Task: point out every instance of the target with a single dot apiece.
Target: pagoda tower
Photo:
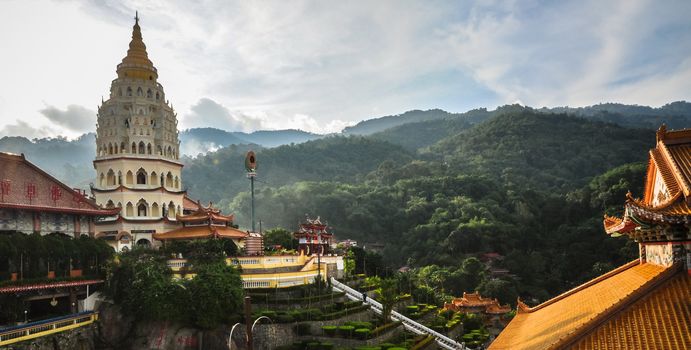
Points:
(137, 151)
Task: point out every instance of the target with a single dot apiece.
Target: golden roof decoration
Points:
(137, 63)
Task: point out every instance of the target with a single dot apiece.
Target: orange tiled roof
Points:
(204, 214)
(660, 320)
(665, 168)
(472, 300)
(201, 232)
(497, 309)
(681, 163)
(617, 225)
(556, 322)
(189, 204)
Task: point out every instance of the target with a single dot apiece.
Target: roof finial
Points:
(136, 17)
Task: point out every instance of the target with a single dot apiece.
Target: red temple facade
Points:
(313, 237)
(33, 201)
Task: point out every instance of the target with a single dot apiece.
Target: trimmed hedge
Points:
(329, 330)
(362, 333)
(360, 324)
(339, 314)
(346, 331)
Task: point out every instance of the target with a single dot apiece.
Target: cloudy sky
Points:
(322, 65)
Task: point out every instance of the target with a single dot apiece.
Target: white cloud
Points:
(318, 66)
(22, 128)
(74, 117)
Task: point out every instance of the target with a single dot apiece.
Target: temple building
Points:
(645, 304)
(313, 237)
(137, 152)
(33, 201)
(204, 223)
(475, 303)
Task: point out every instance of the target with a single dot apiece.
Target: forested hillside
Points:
(221, 175)
(530, 186)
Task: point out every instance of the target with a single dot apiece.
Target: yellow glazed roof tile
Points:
(556, 321)
(660, 320)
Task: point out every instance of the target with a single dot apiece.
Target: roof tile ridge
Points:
(675, 170)
(622, 304)
(585, 285)
(663, 167)
(663, 205)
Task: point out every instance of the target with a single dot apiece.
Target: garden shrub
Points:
(283, 318)
(346, 331)
(447, 314)
(362, 333)
(410, 309)
(329, 330)
(314, 314)
(387, 346)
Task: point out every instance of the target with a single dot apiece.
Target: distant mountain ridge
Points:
(201, 140)
(70, 160)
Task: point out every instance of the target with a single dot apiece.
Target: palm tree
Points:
(387, 296)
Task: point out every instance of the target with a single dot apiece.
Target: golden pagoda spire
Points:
(137, 64)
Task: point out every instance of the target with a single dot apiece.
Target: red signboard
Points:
(55, 193)
(30, 191)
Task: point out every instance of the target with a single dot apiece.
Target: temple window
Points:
(154, 210)
(177, 182)
(129, 210)
(139, 91)
(149, 94)
(141, 209)
(141, 177)
(169, 180)
(122, 148)
(134, 148)
(148, 147)
(129, 178)
(119, 178)
(110, 178)
(102, 180)
(171, 210)
(129, 91)
(110, 204)
(157, 96)
(141, 146)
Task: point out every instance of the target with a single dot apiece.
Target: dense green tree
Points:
(279, 236)
(387, 295)
(215, 294)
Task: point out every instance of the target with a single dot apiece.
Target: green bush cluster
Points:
(475, 337)
(35, 255)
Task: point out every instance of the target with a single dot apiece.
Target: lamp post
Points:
(25, 316)
(251, 167)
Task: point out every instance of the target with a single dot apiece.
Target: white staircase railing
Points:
(442, 340)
